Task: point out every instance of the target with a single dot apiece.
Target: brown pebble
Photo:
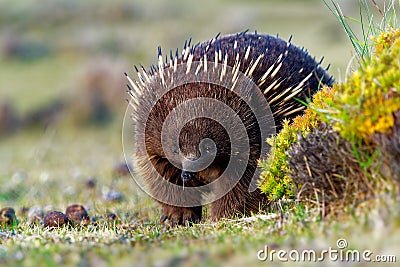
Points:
(7, 217)
(78, 214)
(91, 183)
(55, 219)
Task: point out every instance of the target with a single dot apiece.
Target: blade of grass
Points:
(368, 23)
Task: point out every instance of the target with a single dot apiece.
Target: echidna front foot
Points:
(180, 215)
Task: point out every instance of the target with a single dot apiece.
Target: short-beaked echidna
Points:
(198, 148)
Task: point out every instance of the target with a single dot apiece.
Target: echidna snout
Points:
(187, 175)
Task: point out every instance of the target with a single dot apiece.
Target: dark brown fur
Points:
(296, 65)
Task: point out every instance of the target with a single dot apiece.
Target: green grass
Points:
(226, 243)
(372, 20)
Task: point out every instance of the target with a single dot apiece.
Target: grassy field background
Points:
(55, 51)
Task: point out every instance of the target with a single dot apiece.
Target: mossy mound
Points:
(324, 168)
(275, 180)
(348, 140)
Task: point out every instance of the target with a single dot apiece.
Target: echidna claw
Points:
(163, 218)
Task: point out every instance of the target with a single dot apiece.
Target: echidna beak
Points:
(187, 176)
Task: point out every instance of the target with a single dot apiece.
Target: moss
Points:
(368, 99)
(275, 181)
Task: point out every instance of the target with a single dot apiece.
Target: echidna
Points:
(198, 128)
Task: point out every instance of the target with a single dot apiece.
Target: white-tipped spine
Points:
(134, 97)
(199, 67)
(237, 60)
(161, 66)
(279, 58)
(189, 63)
(134, 86)
(133, 105)
(224, 67)
(215, 59)
(175, 63)
(273, 74)
(266, 74)
(205, 62)
(186, 53)
(234, 84)
(289, 110)
(236, 72)
(246, 56)
(270, 87)
(254, 66)
(145, 74)
(303, 81)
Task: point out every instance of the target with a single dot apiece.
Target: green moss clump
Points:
(275, 181)
(367, 101)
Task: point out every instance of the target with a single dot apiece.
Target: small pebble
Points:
(111, 216)
(96, 219)
(55, 219)
(7, 217)
(35, 215)
(114, 196)
(91, 183)
(78, 214)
